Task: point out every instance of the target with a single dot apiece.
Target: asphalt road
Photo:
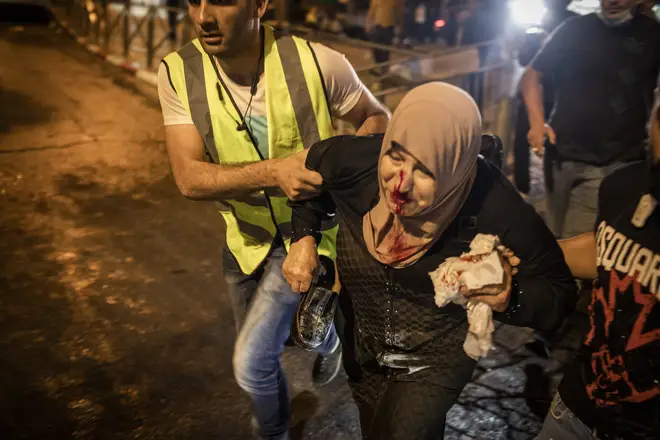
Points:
(114, 320)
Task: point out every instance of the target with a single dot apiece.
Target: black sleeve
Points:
(544, 292)
(309, 214)
(341, 161)
(344, 160)
(552, 53)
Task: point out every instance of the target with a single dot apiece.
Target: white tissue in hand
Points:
(487, 271)
(480, 332)
(484, 243)
(474, 270)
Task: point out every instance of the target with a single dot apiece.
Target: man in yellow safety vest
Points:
(240, 105)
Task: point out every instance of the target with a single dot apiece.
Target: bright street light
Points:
(527, 13)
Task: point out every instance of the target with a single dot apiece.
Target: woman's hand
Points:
(497, 297)
(301, 265)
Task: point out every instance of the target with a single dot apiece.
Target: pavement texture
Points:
(114, 319)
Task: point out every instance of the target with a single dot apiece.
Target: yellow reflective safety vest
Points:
(298, 116)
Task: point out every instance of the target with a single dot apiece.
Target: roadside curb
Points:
(131, 67)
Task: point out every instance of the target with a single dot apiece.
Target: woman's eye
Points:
(424, 173)
(396, 157)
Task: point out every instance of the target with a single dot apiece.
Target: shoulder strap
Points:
(325, 89)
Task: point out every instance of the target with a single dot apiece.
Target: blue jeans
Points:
(264, 305)
(562, 424)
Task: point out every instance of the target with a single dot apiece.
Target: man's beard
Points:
(618, 19)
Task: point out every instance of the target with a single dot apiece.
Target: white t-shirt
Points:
(341, 81)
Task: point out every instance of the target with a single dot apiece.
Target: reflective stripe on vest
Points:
(297, 115)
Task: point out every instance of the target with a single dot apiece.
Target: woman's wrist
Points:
(312, 236)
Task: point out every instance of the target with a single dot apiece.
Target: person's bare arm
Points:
(368, 116)
(580, 255)
(200, 180)
(532, 92)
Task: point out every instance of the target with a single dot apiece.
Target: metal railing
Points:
(128, 28)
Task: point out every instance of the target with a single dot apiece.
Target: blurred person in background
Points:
(384, 20)
(528, 46)
(174, 8)
(604, 67)
(422, 15)
(612, 388)
(480, 22)
(328, 10)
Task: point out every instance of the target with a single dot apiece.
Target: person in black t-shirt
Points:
(612, 389)
(530, 45)
(604, 67)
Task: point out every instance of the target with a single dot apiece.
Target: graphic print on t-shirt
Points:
(625, 321)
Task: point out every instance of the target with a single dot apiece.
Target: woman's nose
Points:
(405, 183)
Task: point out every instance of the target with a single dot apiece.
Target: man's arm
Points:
(552, 53)
(368, 116)
(200, 180)
(532, 92)
(580, 255)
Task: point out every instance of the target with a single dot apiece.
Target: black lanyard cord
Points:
(240, 126)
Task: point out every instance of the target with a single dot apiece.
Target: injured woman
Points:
(434, 244)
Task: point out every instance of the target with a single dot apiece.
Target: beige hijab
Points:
(440, 125)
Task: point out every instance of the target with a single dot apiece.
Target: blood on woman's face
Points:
(409, 186)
